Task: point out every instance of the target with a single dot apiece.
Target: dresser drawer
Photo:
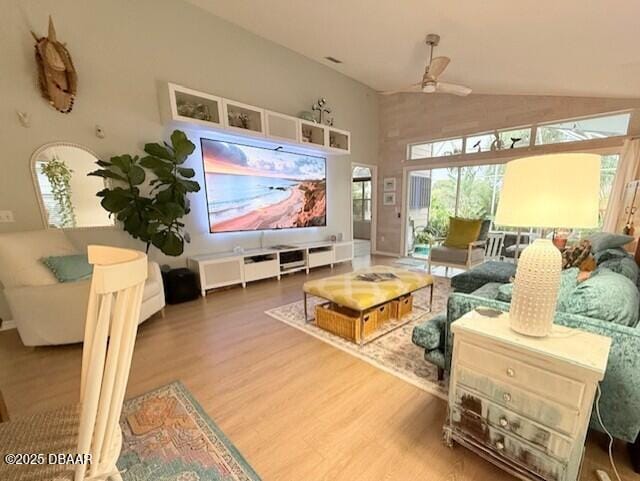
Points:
(505, 445)
(548, 384)
(546, 412)
(547, 440)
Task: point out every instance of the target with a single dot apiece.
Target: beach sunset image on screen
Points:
(253, 188)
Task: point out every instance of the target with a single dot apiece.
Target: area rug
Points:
(167, 436)
(393, 352)
(405, 262)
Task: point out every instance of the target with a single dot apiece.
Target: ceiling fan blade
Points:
(417, 87)
(437, 66)
(455, 89)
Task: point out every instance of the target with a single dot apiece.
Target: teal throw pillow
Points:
(69, 268)
(622, 265)
(609, 254)
(505, 292)
(606, 296)
(568, 282)
(601, 241)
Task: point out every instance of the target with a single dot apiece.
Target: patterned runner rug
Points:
(394, 352)
(167, 436)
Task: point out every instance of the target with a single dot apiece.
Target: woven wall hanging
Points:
(57, 76)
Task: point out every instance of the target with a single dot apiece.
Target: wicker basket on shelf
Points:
(345, 322)
(401, 306)
(384, 313)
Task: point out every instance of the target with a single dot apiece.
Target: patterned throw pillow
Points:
(579, 256)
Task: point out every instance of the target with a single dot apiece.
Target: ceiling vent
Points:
(333, 59)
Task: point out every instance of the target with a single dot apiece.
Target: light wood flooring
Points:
(297, 408)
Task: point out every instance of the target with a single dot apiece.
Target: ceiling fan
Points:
(430, 83)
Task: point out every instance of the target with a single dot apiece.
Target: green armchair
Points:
(460, 257)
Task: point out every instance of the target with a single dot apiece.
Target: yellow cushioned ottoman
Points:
(346, 290)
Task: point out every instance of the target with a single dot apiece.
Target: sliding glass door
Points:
(479, 191)
(472, 192)
(432, 199)
(435, 195)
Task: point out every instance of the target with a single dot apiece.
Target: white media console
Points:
(229, 268)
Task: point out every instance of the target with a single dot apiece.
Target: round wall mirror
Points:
(67, 195)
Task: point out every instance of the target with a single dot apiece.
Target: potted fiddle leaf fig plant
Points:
(154, 217)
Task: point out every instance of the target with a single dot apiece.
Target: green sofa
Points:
(620, 402)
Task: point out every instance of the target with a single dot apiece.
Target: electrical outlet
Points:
(6, 216)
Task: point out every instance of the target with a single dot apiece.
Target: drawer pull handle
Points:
(499, 445)
(507, 397)
(510, 372)
(503, 422)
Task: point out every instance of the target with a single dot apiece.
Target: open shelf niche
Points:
(280, 126)
(241, 117)
(311, 133)
(193, 106)
(339, 139)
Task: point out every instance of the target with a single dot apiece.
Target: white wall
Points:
(123, 52)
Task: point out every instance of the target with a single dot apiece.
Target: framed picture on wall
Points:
(389, 198)
(389, 184)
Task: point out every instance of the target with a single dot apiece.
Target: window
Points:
(572, 130)
(472, 192)
(479, 143)
(361, 194)
(480, 191)
(439, 148)
(515, 138)
(608, 168)
(419, 191)
(444, 199)
(583, 129)
(509, 139)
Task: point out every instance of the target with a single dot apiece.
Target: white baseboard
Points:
(6, 325)
(386, 254)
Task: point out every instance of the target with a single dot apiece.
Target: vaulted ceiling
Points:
(542, 47)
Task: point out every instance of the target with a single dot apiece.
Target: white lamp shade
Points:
(555, 190)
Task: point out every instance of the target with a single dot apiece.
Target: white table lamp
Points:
(550, 191)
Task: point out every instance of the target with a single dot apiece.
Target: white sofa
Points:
(47, 312)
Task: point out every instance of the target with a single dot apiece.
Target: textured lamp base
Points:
(535, 290)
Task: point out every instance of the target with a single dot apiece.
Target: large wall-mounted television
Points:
(253, 188)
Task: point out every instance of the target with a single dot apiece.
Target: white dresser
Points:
(521, 402)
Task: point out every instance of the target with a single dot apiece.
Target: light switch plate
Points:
(6, 216)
